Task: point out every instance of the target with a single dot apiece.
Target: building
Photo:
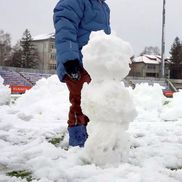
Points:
(45, 45)
(142, 66)
(146, 66)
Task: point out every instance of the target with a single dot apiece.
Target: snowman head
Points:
(107, 57)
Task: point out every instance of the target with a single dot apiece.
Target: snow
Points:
(155, 135)
(153, 96)
(42, 103)
(43, 37)
(109, 55)
(173, 110)
(147, 59)
(4, 93)
(111, 108)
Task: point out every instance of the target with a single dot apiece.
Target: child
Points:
(74, 20)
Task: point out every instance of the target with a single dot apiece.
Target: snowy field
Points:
(134, 135)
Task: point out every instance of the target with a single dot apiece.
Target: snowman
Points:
(106, 100)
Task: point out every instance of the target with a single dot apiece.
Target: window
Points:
(52, 66)
(52, 57)
(151, 66)
(51, 46)
(152, 75)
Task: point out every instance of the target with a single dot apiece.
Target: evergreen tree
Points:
(176, 51)
(29, 57)
(176, 59)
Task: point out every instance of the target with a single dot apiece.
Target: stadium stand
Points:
(34, 77)
(14, 78)
(19, 80)
(151, 81)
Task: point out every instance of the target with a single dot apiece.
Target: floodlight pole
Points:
(163, 40)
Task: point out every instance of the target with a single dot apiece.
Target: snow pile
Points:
(106, 101)
(5, 93)
(48, 99)
(148, 101)
(29, 129)
(173, 110)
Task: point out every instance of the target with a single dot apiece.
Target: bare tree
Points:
(5, 47)
(16, 56)
(150, 51)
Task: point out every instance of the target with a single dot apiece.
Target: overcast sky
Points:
(136, 21)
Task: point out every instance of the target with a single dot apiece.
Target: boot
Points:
(77, 135)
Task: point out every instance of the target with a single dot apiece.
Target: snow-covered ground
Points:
(33, 131)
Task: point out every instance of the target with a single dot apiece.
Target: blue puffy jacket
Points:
(74, 20)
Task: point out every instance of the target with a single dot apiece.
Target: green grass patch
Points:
(21, 174)
(56, 140)
(166, 102)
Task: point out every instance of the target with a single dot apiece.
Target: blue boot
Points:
(77, 135)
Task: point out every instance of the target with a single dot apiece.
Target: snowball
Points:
(107, 57)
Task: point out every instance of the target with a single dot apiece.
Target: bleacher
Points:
(149, 80)
(13, 78)
(19, 80)
(34, 77)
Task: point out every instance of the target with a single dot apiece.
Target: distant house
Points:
(146, 66)
(45, 45)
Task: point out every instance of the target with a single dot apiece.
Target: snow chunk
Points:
(173, 110)
(5, 93)
(148, 101)
(47, 99)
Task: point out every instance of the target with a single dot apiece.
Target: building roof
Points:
(147, 59)
(44, 37)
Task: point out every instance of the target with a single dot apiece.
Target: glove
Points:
(73, 69)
